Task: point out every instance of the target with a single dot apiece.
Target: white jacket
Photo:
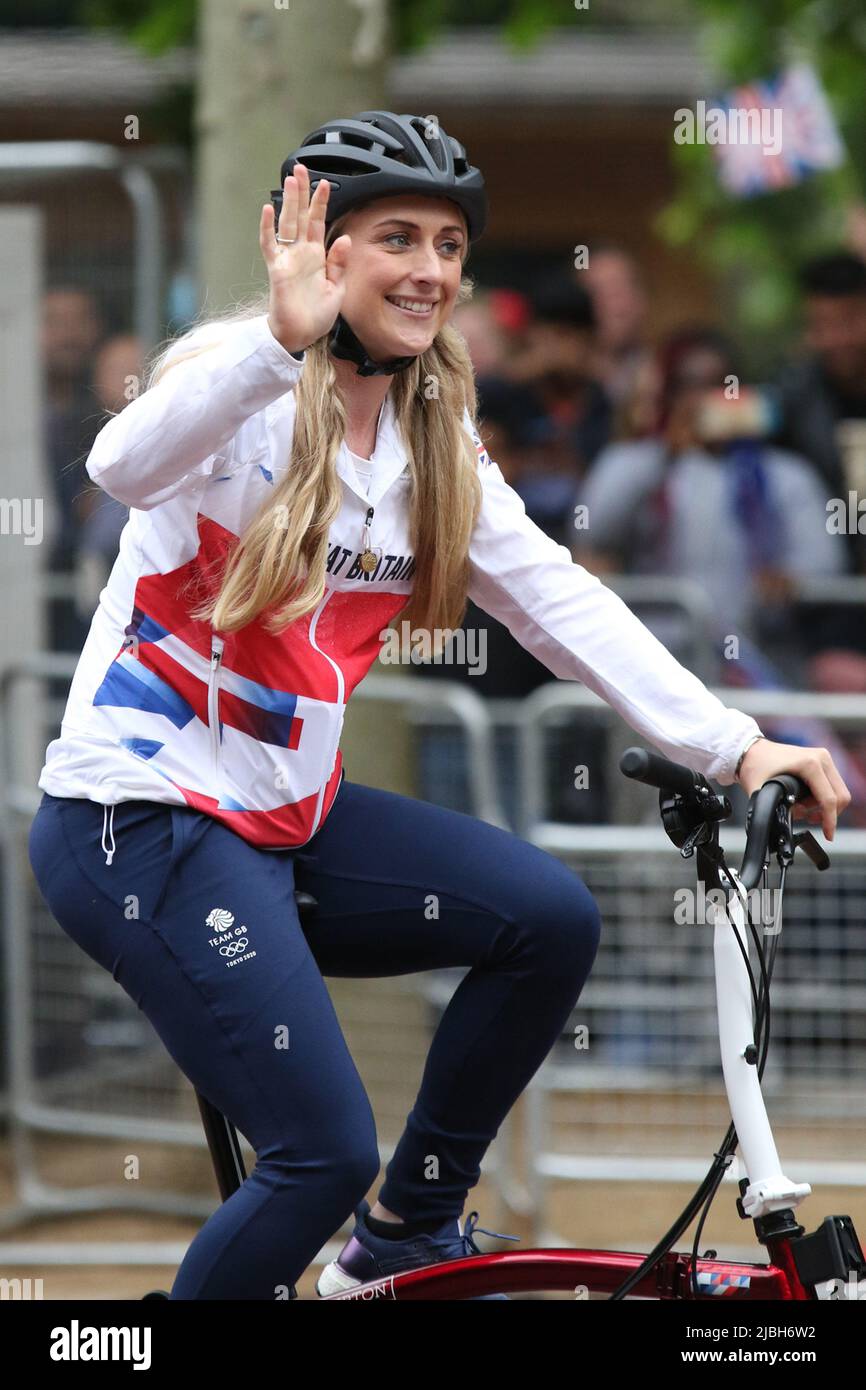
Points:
(246, 727)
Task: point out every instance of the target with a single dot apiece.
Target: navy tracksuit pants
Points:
(201, 930)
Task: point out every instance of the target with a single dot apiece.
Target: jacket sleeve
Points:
(172, 435)
(581, 630)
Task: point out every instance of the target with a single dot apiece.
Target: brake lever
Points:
(806, 841)
(782, 840)
(786, 841)
(699, 836)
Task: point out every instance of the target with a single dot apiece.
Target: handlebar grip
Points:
(792, 784)
(763, 807)
(656, 771)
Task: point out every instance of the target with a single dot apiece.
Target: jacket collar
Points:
(389, 457)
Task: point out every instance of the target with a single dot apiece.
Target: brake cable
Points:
(762, 1044)
(702, 1199)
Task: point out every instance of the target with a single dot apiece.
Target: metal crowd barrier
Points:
(30, 161)
(558, 701)
(688, 601)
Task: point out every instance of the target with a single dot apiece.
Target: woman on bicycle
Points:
(298, 474)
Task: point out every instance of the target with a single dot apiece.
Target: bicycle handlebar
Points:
(657, 771)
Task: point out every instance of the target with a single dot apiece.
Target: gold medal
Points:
(369, 558)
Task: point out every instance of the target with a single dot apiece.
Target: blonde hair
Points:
(278, 566)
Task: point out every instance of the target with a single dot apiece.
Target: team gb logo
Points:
(219, 919)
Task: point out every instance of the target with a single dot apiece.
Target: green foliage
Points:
(523, 23)
(157, 25)
(160, 24)
(756, 244)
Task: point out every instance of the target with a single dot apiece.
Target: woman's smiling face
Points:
(404, 272)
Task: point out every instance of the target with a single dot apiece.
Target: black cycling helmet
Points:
(378, 154)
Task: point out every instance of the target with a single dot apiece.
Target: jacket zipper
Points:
(216, 656)
(341, 687)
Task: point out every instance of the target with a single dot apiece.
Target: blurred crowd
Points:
(657, 459)
(663, 460)
(88, 369)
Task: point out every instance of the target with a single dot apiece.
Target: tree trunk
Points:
(269, 74)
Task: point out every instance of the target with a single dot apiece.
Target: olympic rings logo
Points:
(234, 947)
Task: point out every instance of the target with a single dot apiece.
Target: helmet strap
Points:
(344, 343)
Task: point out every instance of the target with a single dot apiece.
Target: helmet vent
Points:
(375, 154)
(349, 137)
(434, 145)
(337, 164)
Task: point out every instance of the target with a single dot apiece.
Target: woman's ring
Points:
(287, 241)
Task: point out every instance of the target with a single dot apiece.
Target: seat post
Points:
(225, 1149)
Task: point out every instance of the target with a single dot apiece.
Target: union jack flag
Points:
(713, 1283)
(809, 135)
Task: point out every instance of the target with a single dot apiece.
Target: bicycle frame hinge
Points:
(769, 1195)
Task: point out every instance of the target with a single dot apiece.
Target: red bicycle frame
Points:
(591, 1271)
